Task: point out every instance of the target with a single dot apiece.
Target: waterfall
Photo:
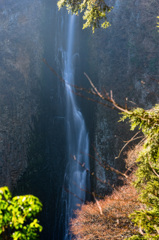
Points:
(75, 179)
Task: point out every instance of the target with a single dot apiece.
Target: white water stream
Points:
(75, 181)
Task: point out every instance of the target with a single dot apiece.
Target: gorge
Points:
(35, 117)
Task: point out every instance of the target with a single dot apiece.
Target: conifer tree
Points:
(147, 174)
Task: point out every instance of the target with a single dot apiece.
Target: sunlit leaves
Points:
(17, 216)
(94, 11)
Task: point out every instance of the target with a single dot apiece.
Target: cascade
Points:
(75, 179)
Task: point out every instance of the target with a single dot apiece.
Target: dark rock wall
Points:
(126, 59)
(20, 72)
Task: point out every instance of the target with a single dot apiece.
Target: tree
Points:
(17, 216)
(94, 11)
(147, 173)
(145, 218)
(147, 181)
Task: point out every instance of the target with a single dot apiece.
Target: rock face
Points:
(20, 73)
(126, 59)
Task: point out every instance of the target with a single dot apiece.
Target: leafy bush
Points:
(17, 216)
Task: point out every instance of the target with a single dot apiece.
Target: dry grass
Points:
(131, 157)
(113, 223)
(109, 218)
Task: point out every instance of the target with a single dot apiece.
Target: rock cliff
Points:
(126, 59)
(20, 73)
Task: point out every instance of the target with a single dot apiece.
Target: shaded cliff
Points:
(125, 59)
(20, 74)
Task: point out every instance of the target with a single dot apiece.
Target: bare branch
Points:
(98, 93)
(132, 139)
(98, 205)
(83, 190)
(95, 93)
(91, 173)
(75, 195)
(94, 100)
(108, 167)
(107, 98)
(154, 170)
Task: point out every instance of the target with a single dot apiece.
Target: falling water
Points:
(75, 179)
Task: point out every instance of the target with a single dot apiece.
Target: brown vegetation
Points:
(109, 218)
(131, 157)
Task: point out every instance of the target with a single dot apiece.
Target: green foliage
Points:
(94, 11)
(17, 216)
(147, 181)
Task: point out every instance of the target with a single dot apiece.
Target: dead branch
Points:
(86, 191)
(92, 173)
(154, 170)
(132, 139)
(129, 168)
(95, 93)
(94, 100)
(98, 205)
(108, 167)
(83, 190)
(107, 98)
(75, 195)
(98, 93)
